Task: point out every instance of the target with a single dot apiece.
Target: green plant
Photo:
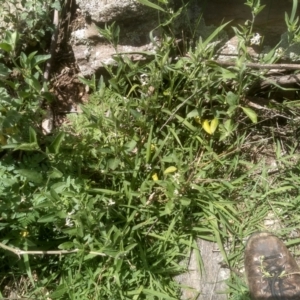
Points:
(159, 157)
(32, 19)
(292, 24)
(27, 93)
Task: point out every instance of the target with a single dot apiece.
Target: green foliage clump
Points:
(116, 198)
(31, 18)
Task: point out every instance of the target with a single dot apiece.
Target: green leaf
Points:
(185, 201)
(250, 113)
(175, 136)
(26, 147)
(214, 34)
(150, 4)
(193, 113)
(55, 173)
(55, 145)
(59, 292)
(6, 47)
(171, 169)
(4, 71)
(31, 175)
(56, 5)
(32, 135)
(129, 146)
(232, 99)
(12, 38)
(159, 295)
(102, 191)
(66, 246)
(34, 83)
(113, 163)
(54, 195)
(294, 10)
(27, 267)
(149, 143)
(185, 122)
(38, 59)
(49, 218)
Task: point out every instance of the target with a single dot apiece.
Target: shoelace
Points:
(277, 280)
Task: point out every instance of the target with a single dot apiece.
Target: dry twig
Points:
(19, 252)
(261, 66)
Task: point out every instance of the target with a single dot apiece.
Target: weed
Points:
(158, 158)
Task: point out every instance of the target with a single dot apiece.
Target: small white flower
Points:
(279, 52)
(111, 202)
(69, 223)
(256, 39)
(176, 177)
(144, 79)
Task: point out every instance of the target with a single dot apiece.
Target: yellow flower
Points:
(24, 233)
(155, 177)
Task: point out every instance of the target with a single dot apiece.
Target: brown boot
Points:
(271, 271)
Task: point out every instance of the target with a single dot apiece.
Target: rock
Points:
(135, 21)
(111, 10)
(211, 283)
(269, 23)
(91, 57)
(91, 50)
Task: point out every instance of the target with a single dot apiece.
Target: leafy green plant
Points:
(27, 89)
(292, 24)
(109, 205)
(32, 19)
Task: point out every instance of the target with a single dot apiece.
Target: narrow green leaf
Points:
(4, 71)
(184, 201)
(149, 142)
(150, 4)
(31, 175)
(232, 99)
(130, 247)
(55, 145)
(102, 191)
(32, 135)
(38, 59)
(66, 246)
(186, 123)
(6, 47)
(132, 89)
(54, 195)
(27, 267)
(250, 113)
(214, 34)
(26, 147)
(171, 169)
(55, 173)
(175, 136)
(160, 295)
(34, 83)
(158, 151)
(49, 218)
(59, 292)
